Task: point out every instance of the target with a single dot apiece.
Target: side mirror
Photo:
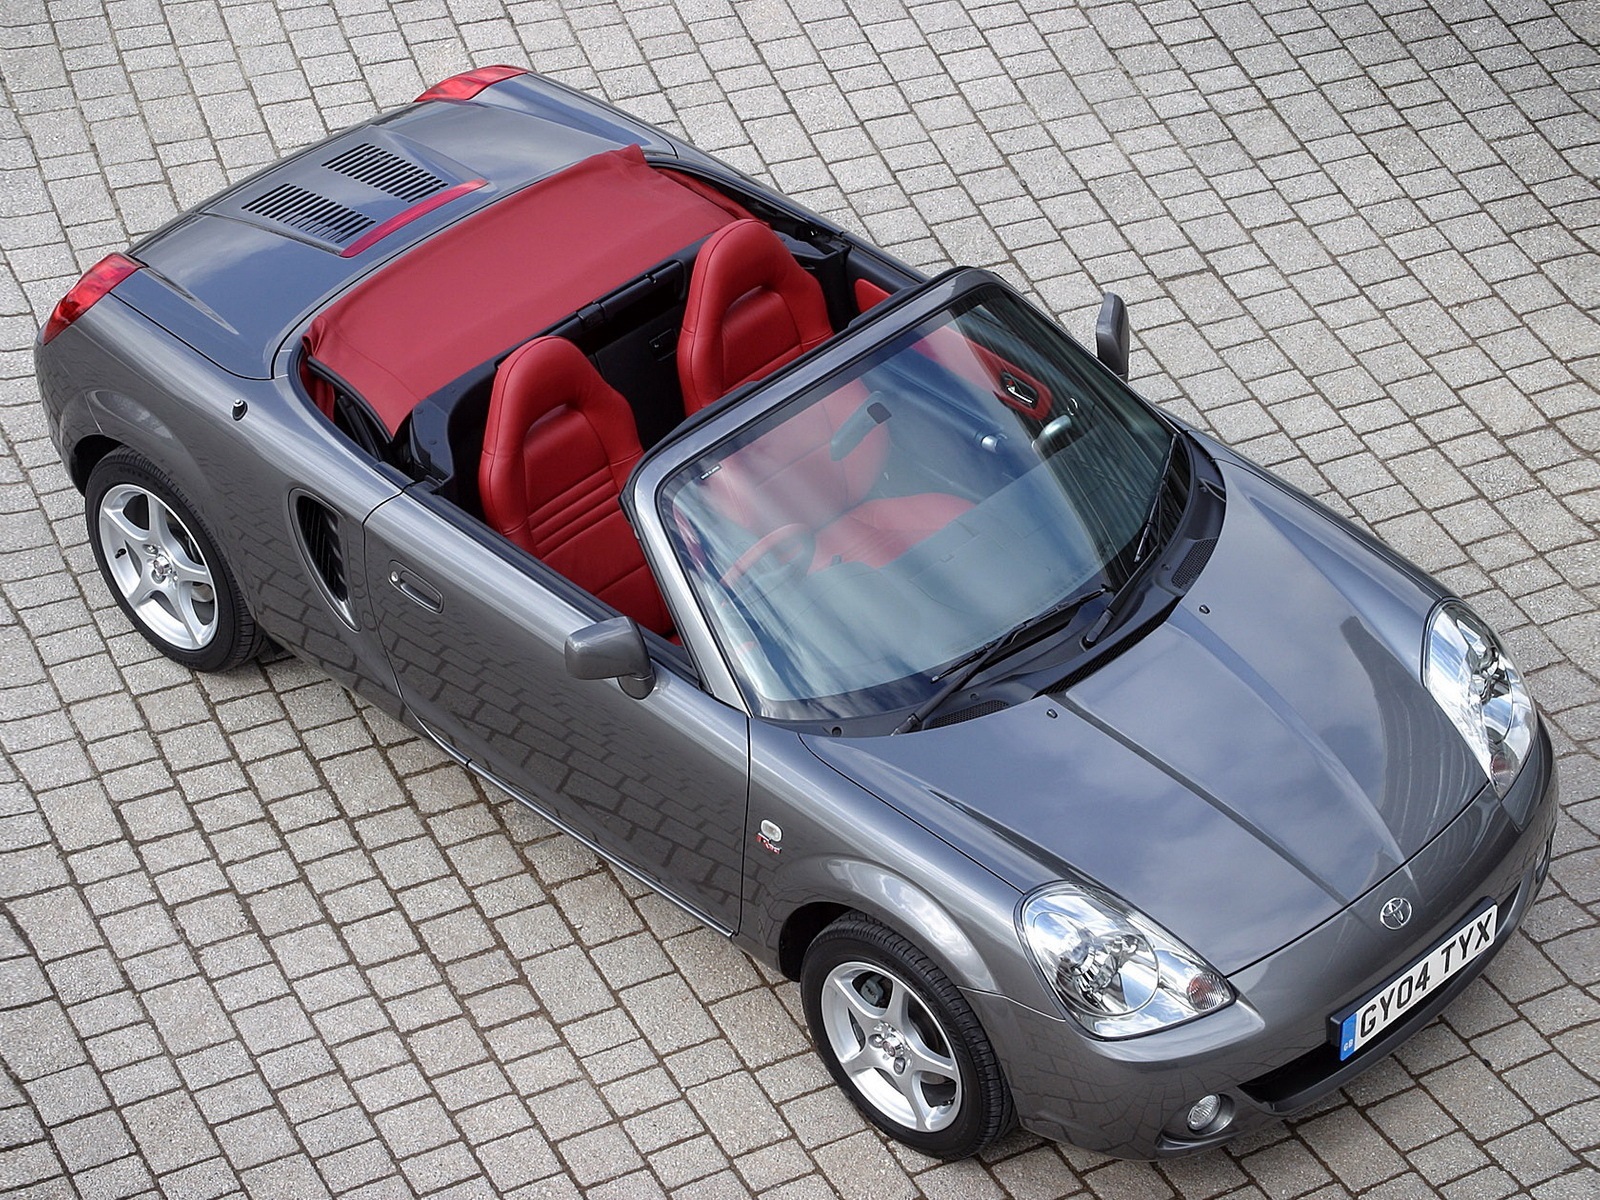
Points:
(612, 649)
(1111, 335)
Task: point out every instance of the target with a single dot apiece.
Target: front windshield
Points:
(966, 475)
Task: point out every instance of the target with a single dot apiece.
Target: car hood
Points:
(1245, 770)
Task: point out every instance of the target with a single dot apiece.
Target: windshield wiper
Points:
(960, 673)
(1125, 594)
(1147, 530)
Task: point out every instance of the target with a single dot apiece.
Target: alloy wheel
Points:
(891, 1046)
(157, 566)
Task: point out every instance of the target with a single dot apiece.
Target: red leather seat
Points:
(558, 447)
(751, 308)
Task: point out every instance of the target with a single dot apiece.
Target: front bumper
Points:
(1270, 1053)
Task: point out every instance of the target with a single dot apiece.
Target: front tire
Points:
(902, 1041)
(163, 566)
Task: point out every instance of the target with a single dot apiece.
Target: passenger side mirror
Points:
(1111, 335)
(612, 649)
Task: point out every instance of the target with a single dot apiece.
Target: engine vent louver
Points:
(309, 213)
(1193, 563)
(319, 533)
(378, 168)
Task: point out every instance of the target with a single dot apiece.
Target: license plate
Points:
(1408, 989)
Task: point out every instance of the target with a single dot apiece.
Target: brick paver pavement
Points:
(256, 939)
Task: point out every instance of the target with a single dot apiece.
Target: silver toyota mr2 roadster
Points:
(1080, 772)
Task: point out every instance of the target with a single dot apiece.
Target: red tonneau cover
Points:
(496, 279)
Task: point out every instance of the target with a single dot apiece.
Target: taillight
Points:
(469, 83)
(96, 282)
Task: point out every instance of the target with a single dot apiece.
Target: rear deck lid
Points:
(234, 277)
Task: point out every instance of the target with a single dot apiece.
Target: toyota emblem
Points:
(1395, 913)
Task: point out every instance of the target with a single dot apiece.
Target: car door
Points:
(476, 630)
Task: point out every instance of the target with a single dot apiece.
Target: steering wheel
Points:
(790, 547)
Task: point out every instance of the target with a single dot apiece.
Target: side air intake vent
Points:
(1193, 563)
(378, 168)
(968, 714)
(310, 213)
(319, 534)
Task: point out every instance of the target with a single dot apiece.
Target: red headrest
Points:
(538, 379)
(557, 451)
(751, 309)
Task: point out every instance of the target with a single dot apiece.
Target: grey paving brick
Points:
(292, 1176)
(187, 1014)
(231, 1098)
(598, 1155)
(23, 1165)
(1470, 1091)
(855, 1168)
(759, 1026)
(347, 1169)
(427, 1006)
(568, 1109)
(737, 1114)
(170, 1132)
(1531, 1154)
(41, 1040)
(67, 1095)
(517, 1159)
(1451, 1157)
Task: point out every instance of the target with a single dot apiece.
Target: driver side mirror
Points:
(1111, 335)
(612, 649)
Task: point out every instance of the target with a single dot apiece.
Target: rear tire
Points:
(902, 1041)
(163, 566)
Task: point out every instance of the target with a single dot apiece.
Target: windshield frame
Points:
(703, 433)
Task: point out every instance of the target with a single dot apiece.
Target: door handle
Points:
(414, 588)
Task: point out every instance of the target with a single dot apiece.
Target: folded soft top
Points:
(482, 286)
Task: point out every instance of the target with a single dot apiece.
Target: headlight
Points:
(1480, 690)
(1117, 972)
